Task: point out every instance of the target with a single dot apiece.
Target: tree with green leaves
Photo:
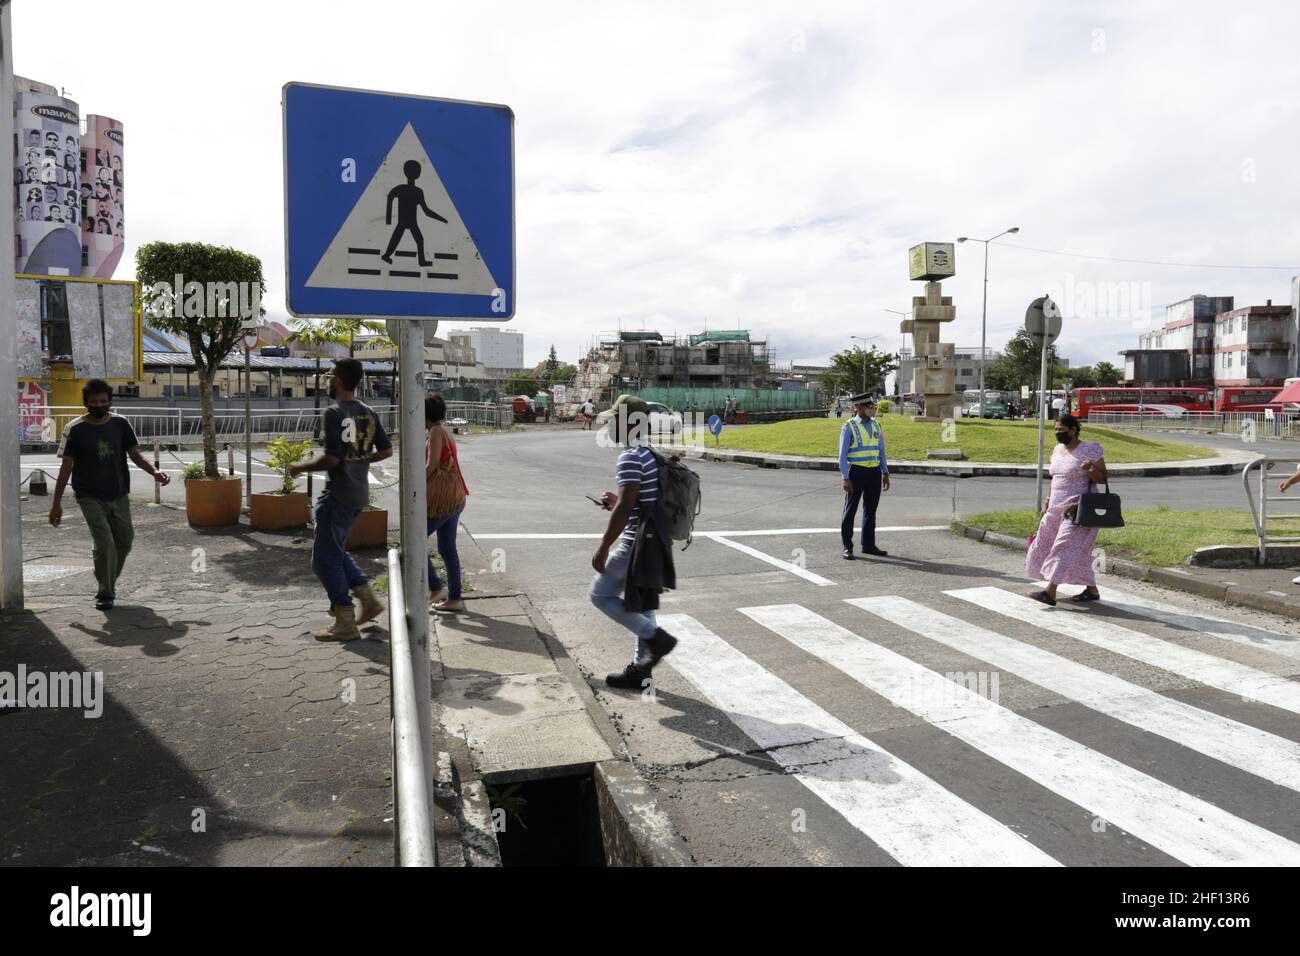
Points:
(549, 367)
(1106, 374)
(521, 383)
(1019, 365)
(203, 311)
(856, 369)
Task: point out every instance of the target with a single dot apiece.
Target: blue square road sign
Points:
(397, 206)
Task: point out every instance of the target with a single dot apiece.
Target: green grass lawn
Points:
(905, 439)
(1160, 536)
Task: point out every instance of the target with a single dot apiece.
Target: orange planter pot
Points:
(273, 512)
(370, 531)
(213, 503)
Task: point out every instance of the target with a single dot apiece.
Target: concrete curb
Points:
(636, 832)
(1169, 577)
(1221, 465)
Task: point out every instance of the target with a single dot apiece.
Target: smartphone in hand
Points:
(597, 501)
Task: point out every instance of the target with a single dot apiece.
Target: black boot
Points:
(632, 677)
(661, 645)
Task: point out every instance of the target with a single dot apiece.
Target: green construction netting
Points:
(682, 399)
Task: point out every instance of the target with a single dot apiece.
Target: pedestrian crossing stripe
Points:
(1184, 826)
(1248, 748)
(913, 816)
(377, 227)
(908, 815)
(1247, 682)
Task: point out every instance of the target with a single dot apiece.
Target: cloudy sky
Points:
(767, 165)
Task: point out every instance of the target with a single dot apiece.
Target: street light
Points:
(984, 314)
(864, 358)
(898, 376)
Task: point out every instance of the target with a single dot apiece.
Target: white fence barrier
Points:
(1245, 424)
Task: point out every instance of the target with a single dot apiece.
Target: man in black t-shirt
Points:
(94, 450)
(354, 438)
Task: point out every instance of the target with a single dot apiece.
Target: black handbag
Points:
(1097, 509)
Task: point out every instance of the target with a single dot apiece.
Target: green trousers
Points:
(112, 534)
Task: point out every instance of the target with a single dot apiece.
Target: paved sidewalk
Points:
(229, 736)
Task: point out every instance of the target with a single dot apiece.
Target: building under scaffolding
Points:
(623, 361)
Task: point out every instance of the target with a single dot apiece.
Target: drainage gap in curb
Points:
(551, 822)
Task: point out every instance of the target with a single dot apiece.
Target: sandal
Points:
(1044, 597)
(1084, 596)
(450, 607)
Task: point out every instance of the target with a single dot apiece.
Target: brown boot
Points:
(344, 627)
(371, 606)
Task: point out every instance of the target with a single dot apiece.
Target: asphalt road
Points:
(950, 720)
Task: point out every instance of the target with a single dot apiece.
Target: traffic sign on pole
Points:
(1043, 323)
(397, 206)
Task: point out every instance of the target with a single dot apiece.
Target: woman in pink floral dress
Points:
(1062, 551)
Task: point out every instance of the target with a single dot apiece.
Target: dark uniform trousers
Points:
(866, 488)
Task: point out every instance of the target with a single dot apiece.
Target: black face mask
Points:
(1063, 437)
(98, 411)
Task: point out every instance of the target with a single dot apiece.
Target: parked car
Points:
(663, 420)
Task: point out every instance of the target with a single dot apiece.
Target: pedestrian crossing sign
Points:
(397, 206)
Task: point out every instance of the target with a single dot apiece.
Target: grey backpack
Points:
(679, 496)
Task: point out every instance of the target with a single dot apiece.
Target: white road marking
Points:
(1183, 826)
(1256, 751)
(1248, 682)
(775, 562)
(556, 536)
(912, 818)
(1287, 645)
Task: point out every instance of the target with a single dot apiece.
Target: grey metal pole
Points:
(248, 429)
(157, 455)
(1042, 424)
(11, 540)
(414, 533)
(984, 315)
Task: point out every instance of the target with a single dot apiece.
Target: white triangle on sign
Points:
(380, 224)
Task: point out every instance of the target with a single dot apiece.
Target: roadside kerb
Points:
(1286, 606)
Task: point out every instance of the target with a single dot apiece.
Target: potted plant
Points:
(203, 294)
(211, 502)
(371, 529)
(285, 507)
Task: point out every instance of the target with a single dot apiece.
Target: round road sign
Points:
(1043, 320)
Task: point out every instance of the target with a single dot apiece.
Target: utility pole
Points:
(11, 541)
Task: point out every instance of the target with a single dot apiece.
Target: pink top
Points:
(1068, 478)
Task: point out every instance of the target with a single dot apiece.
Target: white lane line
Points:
(1183, 826)
(511, 536)
(1247, 635)
(1249, 682)
(912, 818)
(1239, 745)
(775, 562)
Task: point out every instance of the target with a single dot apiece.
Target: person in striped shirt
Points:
(637, 474)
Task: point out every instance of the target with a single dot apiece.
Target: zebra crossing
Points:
(918, 820)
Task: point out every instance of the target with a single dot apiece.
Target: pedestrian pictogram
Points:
(398, 206)
(382, 244)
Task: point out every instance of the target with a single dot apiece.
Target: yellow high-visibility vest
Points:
(867, 442)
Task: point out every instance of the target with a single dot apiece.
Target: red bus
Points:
(1165, 402)
(1243, 398)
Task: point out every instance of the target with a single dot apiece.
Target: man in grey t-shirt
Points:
(354, 439)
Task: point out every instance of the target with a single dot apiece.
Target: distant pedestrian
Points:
(94, 450)
(446, 492)
(354, 439)
(635, 505)
(588, 414)
(729, 410)
(1058, 406)
(865, 473)
(1061, 551)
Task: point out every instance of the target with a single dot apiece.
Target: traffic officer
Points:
(865, 472)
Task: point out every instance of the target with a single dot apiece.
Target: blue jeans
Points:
(607, 595)
(329, 558)
(446, 528)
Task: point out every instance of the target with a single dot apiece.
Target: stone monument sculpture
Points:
(935, 377)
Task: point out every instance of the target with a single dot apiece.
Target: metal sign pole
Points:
(248, 428)
(414, 533)
(1042, 423)
(11, 542)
